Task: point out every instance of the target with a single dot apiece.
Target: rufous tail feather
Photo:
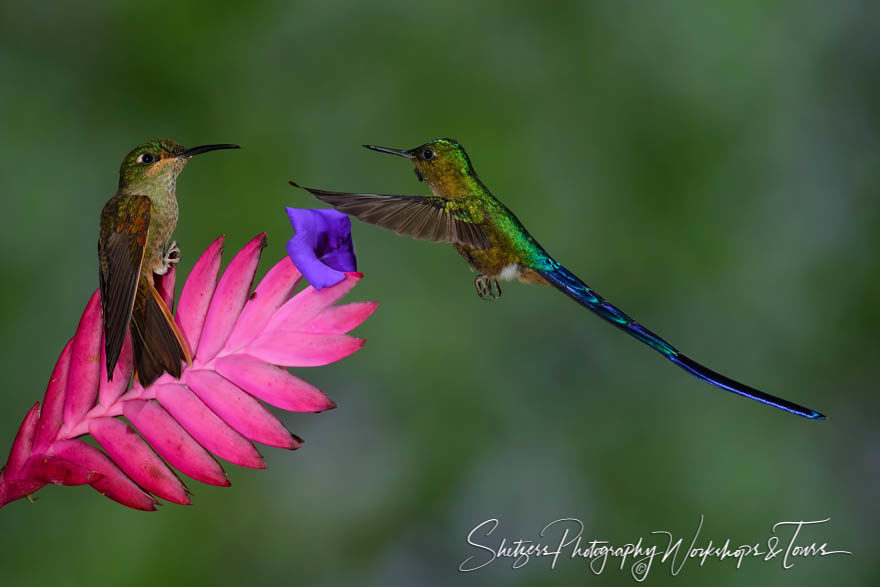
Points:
(157, 342)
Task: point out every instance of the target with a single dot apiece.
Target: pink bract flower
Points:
(238, 339)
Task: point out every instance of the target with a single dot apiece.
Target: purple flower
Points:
(321, 247)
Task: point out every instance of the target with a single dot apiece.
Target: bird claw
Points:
(487, 287)
(171, 257)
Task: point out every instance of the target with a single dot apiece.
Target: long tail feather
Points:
(157, 343)
(565, 281)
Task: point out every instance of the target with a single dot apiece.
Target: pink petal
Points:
(24, 441)
(14, 488)
(196, 295)
(241, 411)
(52, 469)
(302, 349)
(273, 385)
(304, 306)
(165, 286)
(220, 413)
(206, 427)
(114, 484)
(171, 441)
(232, 292)
(341, 319)
(109, 391)
(52, 414)
(274, 289)
(85, 361)
(137, 459)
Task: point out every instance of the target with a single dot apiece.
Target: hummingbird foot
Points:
(487, 287)
(171, 257)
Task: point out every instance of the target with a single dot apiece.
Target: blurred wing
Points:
(427, 218)
(125, 225)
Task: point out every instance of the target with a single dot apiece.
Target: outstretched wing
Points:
(428, 218)
(125, 226)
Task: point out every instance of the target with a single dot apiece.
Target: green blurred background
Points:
(713, 172)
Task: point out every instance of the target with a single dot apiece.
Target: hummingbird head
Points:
(443, 164)
(159, 162)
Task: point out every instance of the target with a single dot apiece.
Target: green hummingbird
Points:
(462, 211)
(133, 246)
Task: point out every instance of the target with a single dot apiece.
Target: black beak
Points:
(398, 152)
(204, 149)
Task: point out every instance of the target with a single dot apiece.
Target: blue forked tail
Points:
(568, 283)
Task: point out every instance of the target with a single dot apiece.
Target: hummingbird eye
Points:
(427, 154)
(146, 158)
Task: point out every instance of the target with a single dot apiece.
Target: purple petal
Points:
(196, 295)
(273, 385)
(229, 299)
(321, 247)
(137, 459)
(173, 443)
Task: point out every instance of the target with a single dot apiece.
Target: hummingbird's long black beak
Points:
(398, 152)
(204, 149)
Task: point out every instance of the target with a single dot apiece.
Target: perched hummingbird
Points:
(136, 225)
(463, 211)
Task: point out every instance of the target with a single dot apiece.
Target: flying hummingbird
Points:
(462, 211)
(136, 225)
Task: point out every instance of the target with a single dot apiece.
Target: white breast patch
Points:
(509, 272)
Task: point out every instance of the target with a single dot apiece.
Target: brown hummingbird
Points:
(133, 246)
